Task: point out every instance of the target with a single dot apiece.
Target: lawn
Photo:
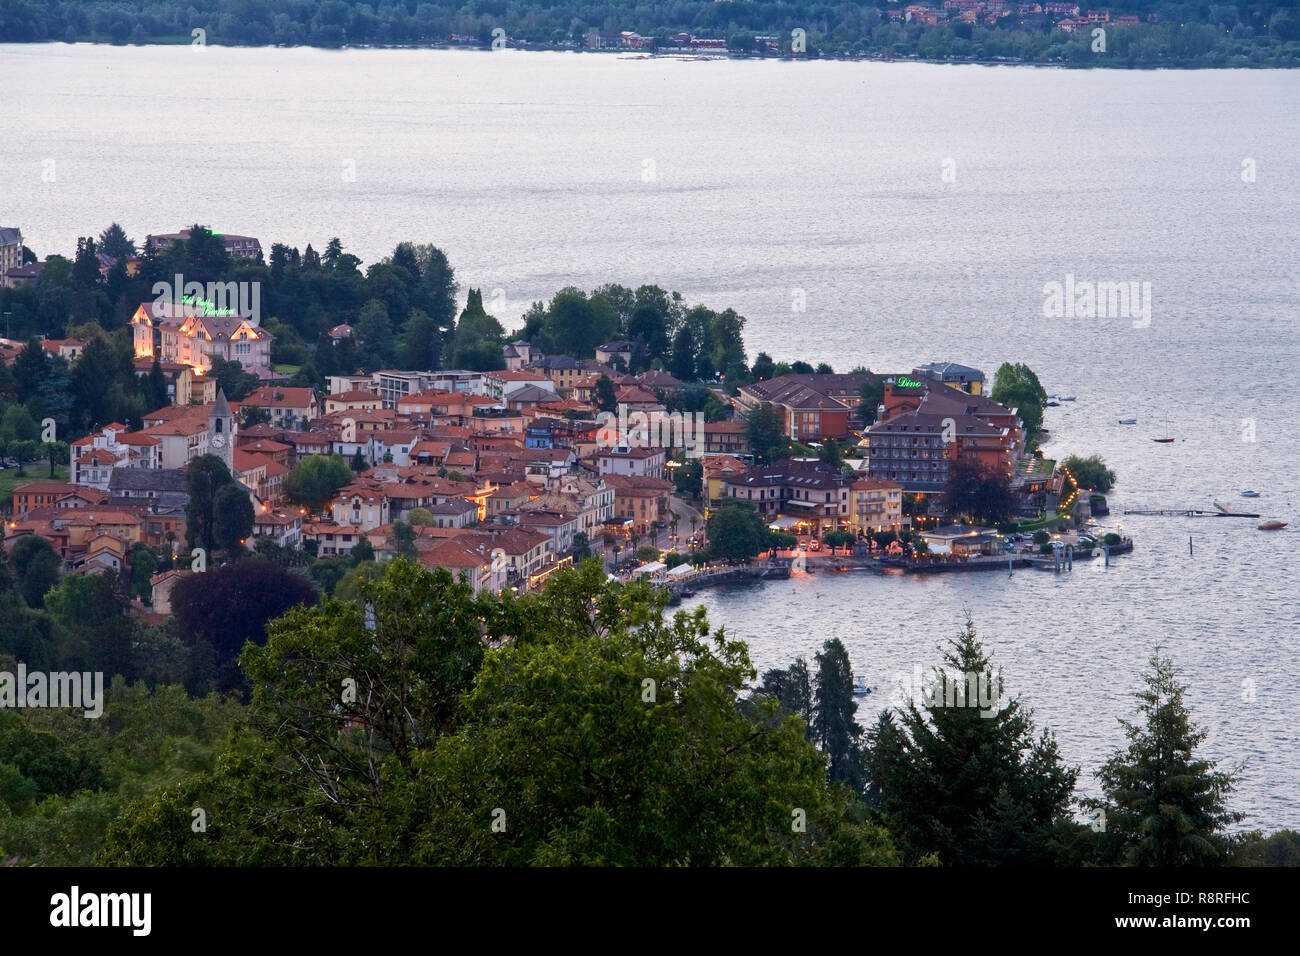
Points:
(287, 369)
(36, 471)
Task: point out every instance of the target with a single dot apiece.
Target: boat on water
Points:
(1067, 398)
(1128, 421)
(1053, 404)
(1166, 439)
(860, 688)
(1272, 525)
(1250, 494)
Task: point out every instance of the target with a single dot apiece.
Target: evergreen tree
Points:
(604, 395)
(833, 726)
(682, 363)
(113, 242)
(402, 539)
(1164, 805)
(960, 775)
(765, 428)
(204, 478)
(156, 389)
(232, 518)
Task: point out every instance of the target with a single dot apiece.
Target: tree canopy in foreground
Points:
(428, 725)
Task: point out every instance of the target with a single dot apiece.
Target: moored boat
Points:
(1128, 421)
(1165, 440)
(1250, 494)
(1272, 525)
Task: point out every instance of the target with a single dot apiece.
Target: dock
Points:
(1224, 511)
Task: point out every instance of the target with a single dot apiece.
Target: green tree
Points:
(156, 387)
(1016, 386)
(1163, 805)
(833, 726)
(35, 565)
(682, 364)
(792, 689)
(581, 547)
(958, 774)
(871, 395)
(232, 517)
(479, 338)
(144, 564)
(316, 479)
(575, 324)
(362, 551)
(982, 494)
(766, 431)
(420, 518)
(17, 424)
(1090, 472)
(232, 379)
(689, 478)
(764, 368)
(252, 415)
(402, 539)
(113, 242)
(736, 531)
(204, 478)
(604, 394)
(374, 328)
(93, 625)
(420, 346)
(56, 452)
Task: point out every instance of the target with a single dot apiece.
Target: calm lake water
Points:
(747, 184)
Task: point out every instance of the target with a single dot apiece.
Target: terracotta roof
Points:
(354, 395)
(279, 397)
(645, 484)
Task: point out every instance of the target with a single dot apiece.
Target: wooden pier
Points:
(1192, 513)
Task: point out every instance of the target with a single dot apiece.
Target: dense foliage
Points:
(409, 720)
(591, 730)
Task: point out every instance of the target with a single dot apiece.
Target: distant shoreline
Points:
(631, 54)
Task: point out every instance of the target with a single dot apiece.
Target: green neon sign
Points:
(908, 383)
(206, 307)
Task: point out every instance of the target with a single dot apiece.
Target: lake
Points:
(919, 210)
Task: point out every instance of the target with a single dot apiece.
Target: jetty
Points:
(1223, 511)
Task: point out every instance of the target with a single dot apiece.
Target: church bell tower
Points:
(221, 431)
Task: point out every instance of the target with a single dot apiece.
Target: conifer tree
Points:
(959, 774)
(1164, 805)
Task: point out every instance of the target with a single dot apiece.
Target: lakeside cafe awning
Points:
(680, 571)
(784, 524)
(653, 567)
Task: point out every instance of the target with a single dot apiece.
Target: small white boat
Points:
(1250, 494)
(1067, 398)
(1128, 421)
(1272, 526)
(860, 688)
